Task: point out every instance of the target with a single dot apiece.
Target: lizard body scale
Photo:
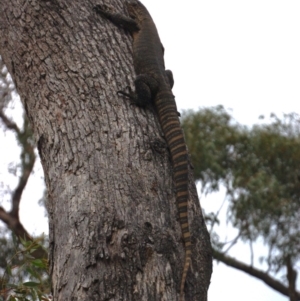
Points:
(153, 84)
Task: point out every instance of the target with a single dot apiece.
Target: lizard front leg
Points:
(170, 77)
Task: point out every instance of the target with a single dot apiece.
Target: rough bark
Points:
(114, 230)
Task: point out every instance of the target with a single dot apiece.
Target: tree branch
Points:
(26, 172)
(270, 281)
(27, 163)
(14, 224)
(9, 123)
(11, 219)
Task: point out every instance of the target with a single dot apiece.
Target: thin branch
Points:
(27, 162)
(216, 215)
(16, 197)
(270, 281)
(269, 257)
(233, 242)
(9, 123)
(251, 252)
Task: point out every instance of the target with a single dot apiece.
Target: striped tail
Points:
(169, 121)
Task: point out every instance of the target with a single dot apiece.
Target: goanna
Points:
(153, 84)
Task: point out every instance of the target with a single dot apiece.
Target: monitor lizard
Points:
(153, 84)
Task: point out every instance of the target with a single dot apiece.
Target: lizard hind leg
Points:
(145, 90)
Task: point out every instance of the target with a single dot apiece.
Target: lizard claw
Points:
(129, 94)
(123, 93)
(102, 10)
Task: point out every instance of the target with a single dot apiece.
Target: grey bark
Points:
(114, 229)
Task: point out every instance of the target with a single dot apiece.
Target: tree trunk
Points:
(114, 228)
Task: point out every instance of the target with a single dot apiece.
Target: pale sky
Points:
(244, 55)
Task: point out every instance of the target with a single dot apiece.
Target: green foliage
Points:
(25, 277)
(259, 168)
(210, 138)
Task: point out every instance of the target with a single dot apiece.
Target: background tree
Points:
(22, 257)
(113, 220)
(24, 137)
(259, 168)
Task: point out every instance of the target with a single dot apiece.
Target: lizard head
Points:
(137, 10)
